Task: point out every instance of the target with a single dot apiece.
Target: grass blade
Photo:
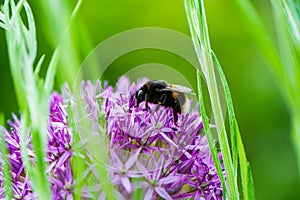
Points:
(208, 134)
(235, 133)
(6, 169)
(251, 191)
(49, 80)
(262, 36)
(5, 163)
(59, 21)
(199, 31)
(292, 16)
(39, 65)
(2, 21)
(285, 48)
(289, 47)
(22, 47)
(282, 57)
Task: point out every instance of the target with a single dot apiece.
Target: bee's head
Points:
(140, 96)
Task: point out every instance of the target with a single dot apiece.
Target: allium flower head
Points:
(58, 155)
(148, 151)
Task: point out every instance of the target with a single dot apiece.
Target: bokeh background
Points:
(262, 115)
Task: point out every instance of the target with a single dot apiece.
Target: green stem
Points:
(220, 124)
(42, 184)
(237, 146)
(211, 143)
(295, 135)
(7, 180)
(199, 31)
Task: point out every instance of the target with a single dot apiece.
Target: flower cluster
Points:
(147, 151)
(58, 155)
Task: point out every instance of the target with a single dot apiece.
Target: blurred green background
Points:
(263, 118)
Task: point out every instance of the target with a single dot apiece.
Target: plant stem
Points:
(295, 135)
(199, 31)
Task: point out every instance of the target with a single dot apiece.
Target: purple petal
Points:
(149, 194)
(132, 159)
(63, 159)
(169, 179)
(143, 170)
(157, 173)
(116, 159)
(168, 139)
(123, 85)
(163, 193)
(126, 183)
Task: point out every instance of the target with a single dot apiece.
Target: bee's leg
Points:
(163, 99)
(146, 103)
(175, 117)
(176, 109)
(146, 106)
(156, 108)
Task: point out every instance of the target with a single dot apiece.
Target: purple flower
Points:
(148, 151)
(58, 155)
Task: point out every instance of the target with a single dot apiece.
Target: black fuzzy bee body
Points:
(162, 93)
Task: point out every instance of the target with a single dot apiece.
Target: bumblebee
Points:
(164, 94)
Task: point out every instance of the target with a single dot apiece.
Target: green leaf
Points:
(292, 17)
(209, 136)
(2, 119)
(247, 181)
(283, 56)
(261, 35)
(251, 190)
(22, 48)
(31, 37)
(2, 20)
(199, 32)
(7, 181)
(39, 65)
(49, 81)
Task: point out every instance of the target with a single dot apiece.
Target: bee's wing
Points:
(177, 88)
